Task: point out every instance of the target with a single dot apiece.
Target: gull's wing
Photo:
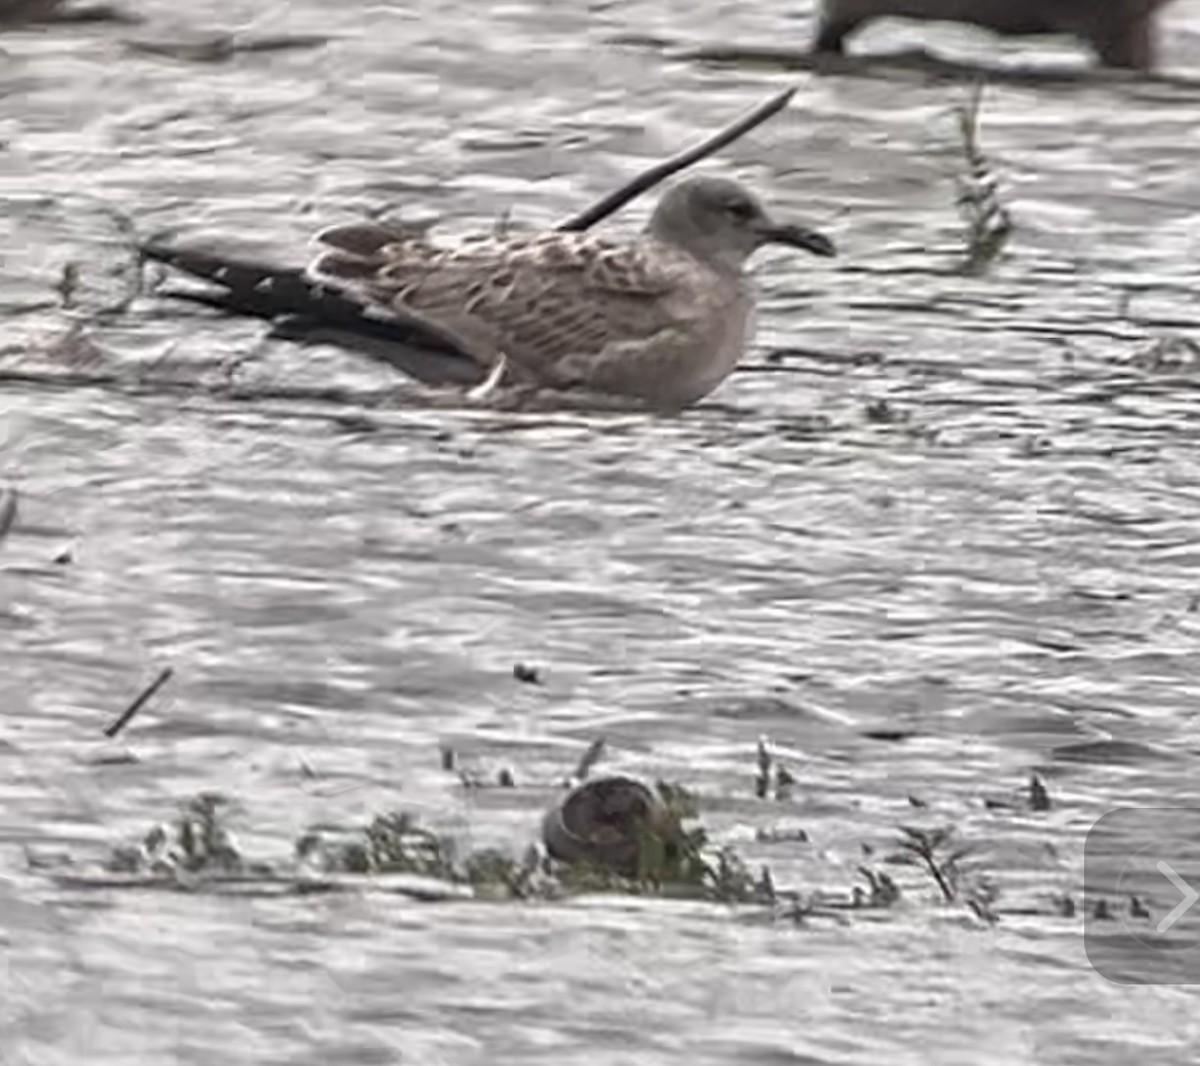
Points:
(305, 311)
(549, 301)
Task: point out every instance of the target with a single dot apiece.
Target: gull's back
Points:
(640, 318)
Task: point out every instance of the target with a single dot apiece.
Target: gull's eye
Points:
(740, 210)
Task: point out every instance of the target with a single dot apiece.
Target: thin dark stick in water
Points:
(617, 199)
(589, 759)
(141, 701)
(8, 510)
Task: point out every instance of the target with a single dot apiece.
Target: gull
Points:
(661, 319)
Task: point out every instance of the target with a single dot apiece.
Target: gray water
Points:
(1003, 572)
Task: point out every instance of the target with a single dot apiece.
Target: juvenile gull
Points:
(663, 318)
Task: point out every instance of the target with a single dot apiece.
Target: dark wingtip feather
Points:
(254, 287)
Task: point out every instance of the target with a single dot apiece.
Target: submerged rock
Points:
(606, 823)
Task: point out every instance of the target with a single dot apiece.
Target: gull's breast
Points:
(720, 344)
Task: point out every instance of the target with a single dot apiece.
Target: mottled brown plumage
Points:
(663, 318)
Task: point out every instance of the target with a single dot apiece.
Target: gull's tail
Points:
(304, 310)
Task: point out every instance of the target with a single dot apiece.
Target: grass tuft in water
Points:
(771, 772)
(672, 856)
(881, 891)
(941, 854)
(672, 860)
(989, 224)
(1039, 795)
(197, 842)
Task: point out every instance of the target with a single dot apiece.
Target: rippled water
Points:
(1002, 571)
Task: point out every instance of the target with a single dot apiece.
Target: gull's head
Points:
(722, 222)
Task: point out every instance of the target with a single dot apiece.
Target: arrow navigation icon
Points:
(1190, 895)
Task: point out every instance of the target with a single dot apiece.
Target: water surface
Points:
(1002, 570)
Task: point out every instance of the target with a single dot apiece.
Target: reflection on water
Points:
(919, 602)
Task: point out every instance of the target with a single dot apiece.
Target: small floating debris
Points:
(782, 835)
(890, 736)
(1169, 354)
(883, 412)
(8, 510)
(881, 892)
(1035, 797)
(771, 770)
(529, 675)
(1039, 796)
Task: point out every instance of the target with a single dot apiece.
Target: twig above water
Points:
(589, 759)
(618, 198)
(989, 224)
(139, 702)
